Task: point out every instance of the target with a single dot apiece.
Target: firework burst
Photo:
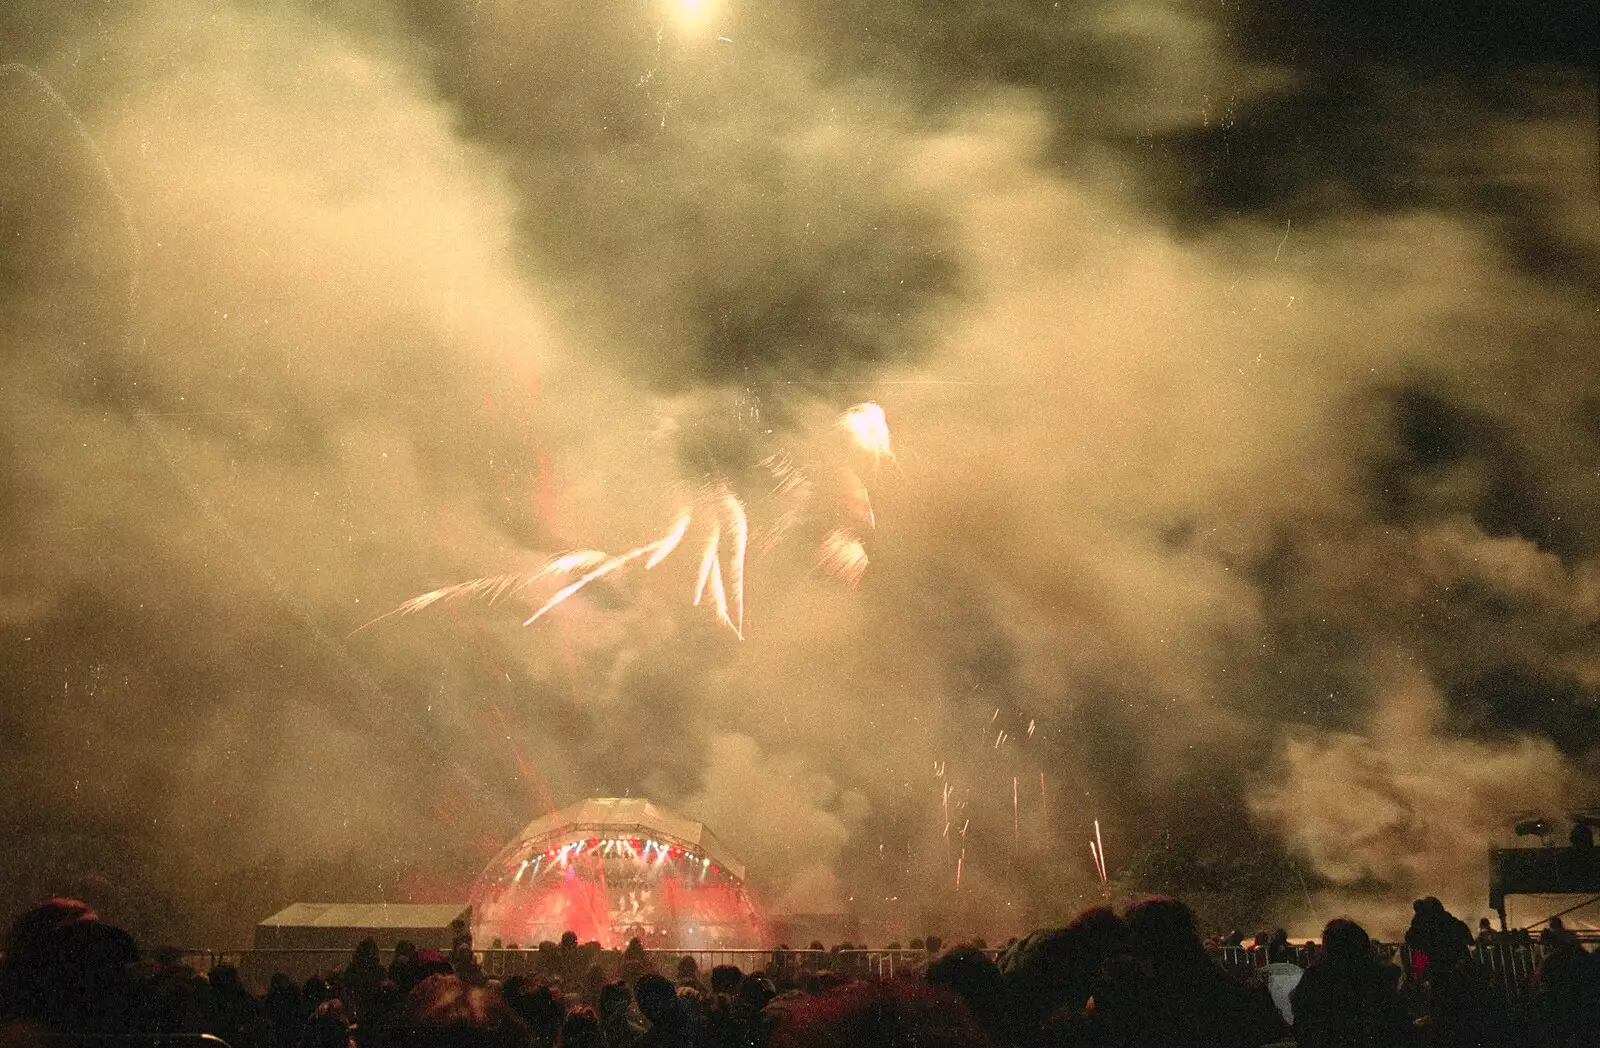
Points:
(727, 538)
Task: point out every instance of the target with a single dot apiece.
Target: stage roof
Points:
(622, 817)
(367, 915)
(340, 925)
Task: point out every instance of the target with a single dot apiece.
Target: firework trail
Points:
(1016, 825)
(708, 563)
(944, 804)
(741, 543)
(493, 587)
(1100, 850)
(719, 598)
(857, 501)
(843, 554)
(656, 552)
(794, 491)
(669, 542)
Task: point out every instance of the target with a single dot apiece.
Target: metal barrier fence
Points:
(1508, 966)
(257, 966)
(132, 1040)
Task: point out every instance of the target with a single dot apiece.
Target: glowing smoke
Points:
(1219, 376)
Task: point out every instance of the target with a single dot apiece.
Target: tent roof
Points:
(366, 915)
(620, 815)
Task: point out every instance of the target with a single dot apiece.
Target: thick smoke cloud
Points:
(1246, 440)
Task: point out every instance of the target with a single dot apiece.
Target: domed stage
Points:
(611, 869)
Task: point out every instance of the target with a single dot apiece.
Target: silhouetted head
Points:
(31, 926)
(1054, 968)
(443, 1012)
(541, 1008)
(224, 978)
(431, 961)
(688, 970)
(27, 946)
(328, 1027)
(873, 1014)
(569, 940)
(581, 1029)
(725, 978)
(1165, 932)
(1346, 943)
(614, 999)
(658, 1000)
(76, 975)
(972, 976)
(755, 992)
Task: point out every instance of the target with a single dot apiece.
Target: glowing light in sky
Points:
(693, 14)
(870, 430)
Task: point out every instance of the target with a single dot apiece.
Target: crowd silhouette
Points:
(1140, 979)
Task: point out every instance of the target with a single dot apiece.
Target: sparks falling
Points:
(1016, 825)
(1098, 849)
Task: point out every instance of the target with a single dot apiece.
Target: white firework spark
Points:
(842, 553)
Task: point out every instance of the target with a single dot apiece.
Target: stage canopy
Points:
(614, 868)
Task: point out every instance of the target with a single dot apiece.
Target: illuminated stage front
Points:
(612, 869)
